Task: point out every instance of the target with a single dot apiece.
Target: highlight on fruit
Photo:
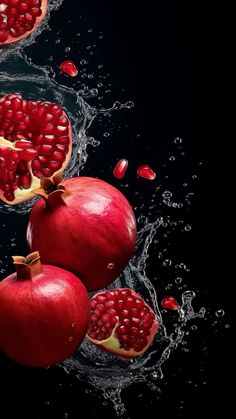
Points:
(90, 230)
(19, 19)
(44, 313)
(35, 144)
(121, 323)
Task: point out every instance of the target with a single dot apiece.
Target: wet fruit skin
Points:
(44, 314)
(121, 323)
(35, 143)
(19, 19)
(89, 229)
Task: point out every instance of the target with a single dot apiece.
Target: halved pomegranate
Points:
(121, 322)
(19, 19)
(35, 143)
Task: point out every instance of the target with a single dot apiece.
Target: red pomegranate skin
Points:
(43, 320)
(90, 230)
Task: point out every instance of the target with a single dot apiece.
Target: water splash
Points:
(103, 371)
(110, 374)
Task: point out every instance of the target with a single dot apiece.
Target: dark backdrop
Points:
(172, 62)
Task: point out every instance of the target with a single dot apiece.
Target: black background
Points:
(172, 62)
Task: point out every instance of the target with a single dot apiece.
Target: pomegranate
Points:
(19, 19)
(44, 313)
(146, 172)
(121, 322)
(35, 142)
(170, 303)
(120, 168)
(86, 226)
(69, 68)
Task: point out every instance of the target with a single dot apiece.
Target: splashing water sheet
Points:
(162, 206)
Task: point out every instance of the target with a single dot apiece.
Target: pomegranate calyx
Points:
(27, 267)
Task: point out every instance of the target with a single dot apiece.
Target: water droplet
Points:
(187, 227)
(110, 265)
(167, 262)
(71, 338)
(219, 313)
(227, 326)
(73, 324)
(194, 327)
(106, 134)
(188, 296)
(167, 195)
(178, 280)
(178, 140)
(172, 158)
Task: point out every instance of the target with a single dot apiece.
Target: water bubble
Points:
(227, 326)
(67, 49)
(194, 327)
(178, 280)
(73, 324)
(178, 140)
(172, 158)
(167, 262)
(219, 313)
(187, 227)
(110, 265)
(167, 195)
(106, 134)
(71, 338)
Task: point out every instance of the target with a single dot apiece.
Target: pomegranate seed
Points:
(146, 172)
(120, 169)
(170, 303)
(69, 68)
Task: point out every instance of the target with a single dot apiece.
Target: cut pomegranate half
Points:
(19, 19)
(35, 143)
(121, 322)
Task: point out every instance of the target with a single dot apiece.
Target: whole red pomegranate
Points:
(121, 322)
(44, 313)
(19, 19)
(35, 143)
(86, 226)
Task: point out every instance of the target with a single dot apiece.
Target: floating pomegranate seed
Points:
(170, 303)
(120, 169)
(69, 68)
(146, 172)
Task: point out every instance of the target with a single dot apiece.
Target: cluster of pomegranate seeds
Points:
(123, 308)
(69, 68)
(146, 172)
(120, 169)
(18, 174)
(41, 126)
(170, 303)
(18, 17)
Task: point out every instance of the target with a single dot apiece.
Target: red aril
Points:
(19, 19)
(35, 143)
(44, 313)
(69, 68)
(170, 303)
(120, 169)
(86, 226)
(146, 172)
(121, 322)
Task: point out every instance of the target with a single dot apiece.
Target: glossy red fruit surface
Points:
(146, 172)
(69, 68)
(86, 226)
(35, 143)
(121, 322)
(44, 313)
(120, 168)
(19, 18)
